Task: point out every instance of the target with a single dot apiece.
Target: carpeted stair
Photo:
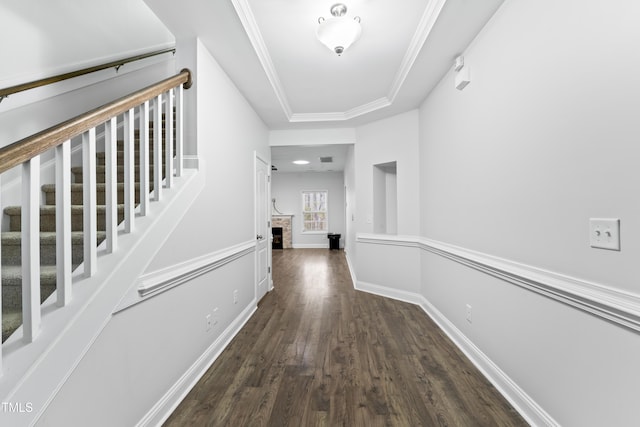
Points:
(11, 240)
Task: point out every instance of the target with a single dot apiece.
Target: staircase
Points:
(11, 240)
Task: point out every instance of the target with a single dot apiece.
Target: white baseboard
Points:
(310, 246)
(352, 271)
(172, 398)
(521, 401)
(525, 405)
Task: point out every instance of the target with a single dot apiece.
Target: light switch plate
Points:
(604, 233)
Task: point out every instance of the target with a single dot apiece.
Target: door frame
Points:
(258, 158)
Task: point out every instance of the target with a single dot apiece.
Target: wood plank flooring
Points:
(319, 353)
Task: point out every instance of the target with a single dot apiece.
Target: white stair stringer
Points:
(35, 373)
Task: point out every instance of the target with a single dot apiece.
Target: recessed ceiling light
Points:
(300, 162)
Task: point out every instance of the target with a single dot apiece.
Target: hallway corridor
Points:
(319, 353)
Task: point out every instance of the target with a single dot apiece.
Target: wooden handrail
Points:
(60, 77)
(21, 151)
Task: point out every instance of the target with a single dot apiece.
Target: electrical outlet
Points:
(235, 296)
(469, 312)
(208, 319)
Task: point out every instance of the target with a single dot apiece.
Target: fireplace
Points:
(277, 242)
(283, 222)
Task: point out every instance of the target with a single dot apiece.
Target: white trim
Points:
(614, 305)
(341, 116)
(388, 239)
(151, 284)
(428, 20)
(190, 162)
(310, 246)
(243, 9)
(159, 413)
(533, 413)
(611, 304)
(352, 270)
(397, 294)
(426, 24)
(518, 398)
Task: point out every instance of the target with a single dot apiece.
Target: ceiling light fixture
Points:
(300, 162)
(336, 32)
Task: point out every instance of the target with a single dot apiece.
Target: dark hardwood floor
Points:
(319, 353)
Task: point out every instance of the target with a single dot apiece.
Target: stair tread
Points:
(51, 209)
(13, 273)
(15, 237)
(76, 186)
(102, 168)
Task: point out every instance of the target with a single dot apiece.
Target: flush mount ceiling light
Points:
(300, 162)
(338, 32)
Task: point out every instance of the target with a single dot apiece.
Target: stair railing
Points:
(26, 153)
(4, 93)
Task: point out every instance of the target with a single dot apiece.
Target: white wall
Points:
(287, 189)
(158, 346)
(350, 208)
(543, 138)
(228, 133)
(41, 39)
(391, 140)
(510, 171)
(294, 137)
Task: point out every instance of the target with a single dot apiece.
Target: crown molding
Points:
(428, 20)
(341, 116)
(255, 37)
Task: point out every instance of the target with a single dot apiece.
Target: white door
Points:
(262, 228)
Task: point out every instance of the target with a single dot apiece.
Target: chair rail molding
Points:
(153, 283)
(614, 305)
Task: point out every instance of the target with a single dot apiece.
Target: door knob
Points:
(259, 237)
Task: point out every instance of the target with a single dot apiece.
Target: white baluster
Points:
(157, 148)
(179, 129)
(63, 223)
(31, 248)
(169, 139)
(144, 158)
(129, 172)
(111, 183)
(89, 201)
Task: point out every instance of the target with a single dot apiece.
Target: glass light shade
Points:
(338, 33)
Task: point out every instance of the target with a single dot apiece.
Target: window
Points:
(315, 213)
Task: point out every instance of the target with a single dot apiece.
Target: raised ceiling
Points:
(270, 51)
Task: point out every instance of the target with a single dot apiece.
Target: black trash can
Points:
(334, 241)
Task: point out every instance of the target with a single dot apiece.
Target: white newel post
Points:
(63, 223)
(89, 201)
(31, 249)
